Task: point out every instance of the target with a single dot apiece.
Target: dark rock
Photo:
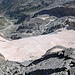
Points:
(71, 24)
(58, 12)
(23, 18)
(14, 37)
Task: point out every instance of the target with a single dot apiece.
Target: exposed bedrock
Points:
(56, 63)
(62, 62)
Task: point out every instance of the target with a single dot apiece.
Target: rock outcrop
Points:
(27, 17)
(52, 63)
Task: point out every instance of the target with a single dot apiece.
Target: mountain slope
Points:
(57, 63)
(19, 7)
(16, 8)
(34, 47)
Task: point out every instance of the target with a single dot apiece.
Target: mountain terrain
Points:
(51, 63)
(25, 17)
(37, 37)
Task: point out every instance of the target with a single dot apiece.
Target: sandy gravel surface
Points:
(34, 47)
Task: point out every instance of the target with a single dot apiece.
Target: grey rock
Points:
(59, 63)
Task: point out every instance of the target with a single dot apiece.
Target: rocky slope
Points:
(40, 25)
(52, 63)
(25, 17)
(50, 53)
(18, 8)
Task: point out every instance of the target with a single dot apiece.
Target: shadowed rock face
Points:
(2, 59)
(58, 12)
(54, 64)
(62, 62)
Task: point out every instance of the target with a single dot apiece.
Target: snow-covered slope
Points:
(34, 47)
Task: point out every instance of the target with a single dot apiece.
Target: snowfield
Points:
(34, 47)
